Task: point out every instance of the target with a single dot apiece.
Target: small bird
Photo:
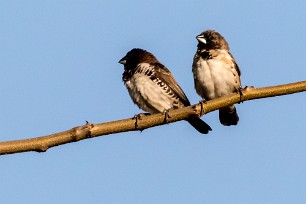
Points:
(216, 73)
(152, 86)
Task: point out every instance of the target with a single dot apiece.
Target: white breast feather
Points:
(215, 78)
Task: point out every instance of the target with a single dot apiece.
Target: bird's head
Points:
(211, 39)
(136, 56)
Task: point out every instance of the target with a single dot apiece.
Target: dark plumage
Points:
(152, 86)
(216, 72)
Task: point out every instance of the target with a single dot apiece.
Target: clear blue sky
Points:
(59, 67)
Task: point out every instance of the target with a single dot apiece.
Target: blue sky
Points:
(59, 67)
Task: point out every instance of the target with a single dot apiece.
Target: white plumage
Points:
(150, 95)
(214, 77)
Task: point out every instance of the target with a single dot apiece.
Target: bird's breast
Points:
(215, 77)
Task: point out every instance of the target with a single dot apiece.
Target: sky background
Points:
(59, 68)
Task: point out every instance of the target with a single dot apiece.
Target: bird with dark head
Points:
(152, 86)
(211, 40)
(216, 72)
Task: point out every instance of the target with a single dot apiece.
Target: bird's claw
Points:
(139, 117)
(202, 102)
(246, 88)
(240, 94)
(167, 115)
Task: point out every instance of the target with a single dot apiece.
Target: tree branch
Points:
(42, 144)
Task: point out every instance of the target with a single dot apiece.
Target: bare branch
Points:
(42, 144)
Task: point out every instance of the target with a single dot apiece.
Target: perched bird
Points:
(152, 86)
(216, 72)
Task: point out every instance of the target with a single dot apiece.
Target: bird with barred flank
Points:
(153, 88)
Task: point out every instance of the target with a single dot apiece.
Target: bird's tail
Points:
(228, 116)
(199, 124)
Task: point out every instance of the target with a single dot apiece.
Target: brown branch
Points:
(42, 144)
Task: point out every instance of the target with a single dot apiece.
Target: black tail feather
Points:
(199, 124)
(228, 116)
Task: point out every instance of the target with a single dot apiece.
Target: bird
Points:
(216, 72)
(153, 88)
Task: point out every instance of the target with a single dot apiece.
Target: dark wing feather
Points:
(165, 75)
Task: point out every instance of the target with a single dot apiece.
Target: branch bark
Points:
(43, 143)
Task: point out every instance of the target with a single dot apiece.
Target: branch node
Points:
(81, 132)
(89, 126)
(248, 88)
(42, 148)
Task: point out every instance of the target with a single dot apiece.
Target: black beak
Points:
(122, 61)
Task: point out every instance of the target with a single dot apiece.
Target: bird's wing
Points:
(235, 64)
(162, 73)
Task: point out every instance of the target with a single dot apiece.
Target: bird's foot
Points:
(246, 88)
(139, 117)
(240, 94)
(167, 115)
(202, 102)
